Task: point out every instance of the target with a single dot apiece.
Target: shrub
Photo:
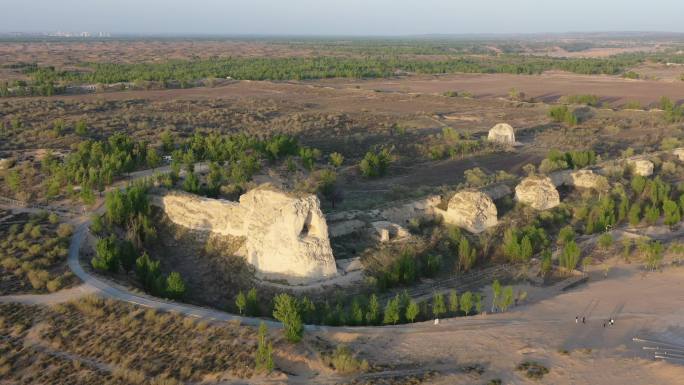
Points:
(54, 285)
(344, 362)
(336, 159)
(64, 230)
(653, 252)
(561, 114)
(80, 128)
(633, 105)
(605, 240)
(589, 100)
(532, 369)
(38, 278)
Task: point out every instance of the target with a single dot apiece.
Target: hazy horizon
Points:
(336, 18)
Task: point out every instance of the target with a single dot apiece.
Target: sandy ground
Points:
(644, 305)
(547, 87)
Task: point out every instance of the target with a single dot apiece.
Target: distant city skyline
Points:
(339, 18)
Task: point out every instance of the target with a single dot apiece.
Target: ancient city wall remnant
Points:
(286, 236)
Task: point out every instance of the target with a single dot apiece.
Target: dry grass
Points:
(33, 253)
(135, 345)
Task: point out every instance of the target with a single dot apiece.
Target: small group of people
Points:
(610, 321)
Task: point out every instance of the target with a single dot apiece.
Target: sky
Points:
(340, 17)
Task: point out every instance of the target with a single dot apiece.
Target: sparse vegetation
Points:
(33, 253)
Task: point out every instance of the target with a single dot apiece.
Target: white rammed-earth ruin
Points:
(537, 191)
(286, 236)
(472, 210)
(502, 133)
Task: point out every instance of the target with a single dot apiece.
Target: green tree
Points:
(638, 184)
(241, 302)
(127, 255)
(191, 183)
(526, 249)
(478, 303)
(153, 159)
(565, 235)
(263, 358)
(507, 298)
(467, 302)
(635, 214)
(453, 301)
(307, 309)
(570, 256)
(392, 311)
(546, 261)
(412, 311)
(652, 214)
(357, 314)
(672, 212)
(147, 271)
(373, 314)
(286, 311)
(438, 305)
(375, 164)
(466, 255)
(252, 302)
(496, 294)
(106, 255)
(175, 286)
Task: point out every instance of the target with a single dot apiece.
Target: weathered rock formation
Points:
(589, 180)
(679, 153)
(6, 163)
(538, 192)
(203, 214)
(642, 167)
(472, 210)
(286, 237)
(388, 231)
(403, 213)
(502, 133)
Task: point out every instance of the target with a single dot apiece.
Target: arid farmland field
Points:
(462, 210)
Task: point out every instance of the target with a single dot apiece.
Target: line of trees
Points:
(185, 73)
